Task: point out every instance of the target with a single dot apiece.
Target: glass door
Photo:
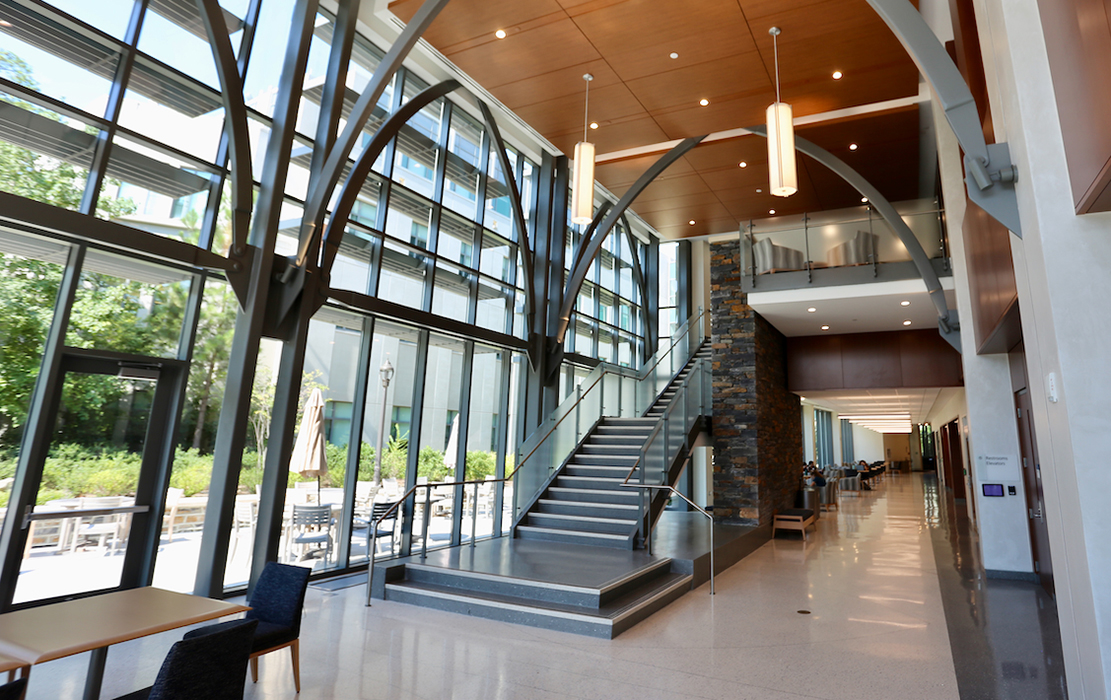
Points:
(102, 477)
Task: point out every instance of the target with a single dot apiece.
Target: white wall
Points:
(700, 276)
(1002, 522)
(1061, 266)
(807, 432)
(867, 445)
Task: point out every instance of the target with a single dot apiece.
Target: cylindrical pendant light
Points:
(782, 171)
(582, 178)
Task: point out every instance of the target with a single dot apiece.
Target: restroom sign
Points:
(997, 468)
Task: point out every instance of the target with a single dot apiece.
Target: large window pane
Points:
(46, 56)
(452, 292)
(440, 438)
(186, 501)
(409, 218)
(463, 164)
(46, 157)
(109, 16)
(499, 210)
(494, 301)
(178, 46)
(183, 116)
(128, 305)
(497, 257)
(398, 344)
(455, 241)
(403, 275)
(484, 422)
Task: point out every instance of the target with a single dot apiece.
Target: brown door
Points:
(1032, 477)
(954, 462)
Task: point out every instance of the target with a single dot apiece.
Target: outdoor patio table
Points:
(48, 632)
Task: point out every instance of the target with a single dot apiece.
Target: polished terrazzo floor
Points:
(875, 628)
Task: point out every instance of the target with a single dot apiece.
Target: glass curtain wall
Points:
(114, 112)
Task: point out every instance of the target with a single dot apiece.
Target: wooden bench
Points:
(793, 519)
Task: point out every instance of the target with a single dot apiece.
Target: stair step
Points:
(622, 439)
(607, 449)
(600, 510)
(574, 469)
(590, 482)
(596, 539)
(604, 460)
(605, 622)
(625, 496)
(582, 523)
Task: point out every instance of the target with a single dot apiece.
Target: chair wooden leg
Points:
(254, 668)
(294, 653)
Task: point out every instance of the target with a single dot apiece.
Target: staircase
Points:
(585, 503)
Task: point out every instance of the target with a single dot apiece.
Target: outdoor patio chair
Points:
(244, 519)
(102, 528)
(377, 510)
(312, 525)
(208, 663)
(173, 497)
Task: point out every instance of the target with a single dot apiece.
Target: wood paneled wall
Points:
(1078, 39)
(888, 360)
(991, 281)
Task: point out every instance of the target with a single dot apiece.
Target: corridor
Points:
(855, 612)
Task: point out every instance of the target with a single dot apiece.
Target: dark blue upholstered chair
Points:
(13, 690)
(276, 602)
(208, 663)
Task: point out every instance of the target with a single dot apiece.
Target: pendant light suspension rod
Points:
(586, 108)
(775, 32)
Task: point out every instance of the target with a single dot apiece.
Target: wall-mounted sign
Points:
(997, 468)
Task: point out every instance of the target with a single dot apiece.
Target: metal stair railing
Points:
(670, 437)
(608, 391)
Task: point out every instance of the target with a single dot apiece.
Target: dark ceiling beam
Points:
(590, 248)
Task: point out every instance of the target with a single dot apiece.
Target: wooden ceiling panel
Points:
(614, 135)
(617, 26)
(673, 187)
(721, 79)
(532, 53)
(718, 155)
(564, 82)
(691, 203)
(463, 21)
(714, 42)
(624, 173)
(564, 115)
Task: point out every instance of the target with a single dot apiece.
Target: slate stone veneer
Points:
(757, 422)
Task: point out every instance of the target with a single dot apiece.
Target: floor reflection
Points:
(1005, 635)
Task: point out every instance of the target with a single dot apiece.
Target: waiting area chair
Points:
(276, 603)
(13, 690)
(208, 663)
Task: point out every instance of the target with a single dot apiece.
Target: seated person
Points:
(818, 480)
(864, 468)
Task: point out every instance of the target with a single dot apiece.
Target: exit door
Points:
(1035, 500)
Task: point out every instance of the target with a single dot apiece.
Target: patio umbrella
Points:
(308, 452)
(452, 445)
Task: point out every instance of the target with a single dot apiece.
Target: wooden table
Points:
(37, 635)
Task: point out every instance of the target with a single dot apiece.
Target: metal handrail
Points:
(675, 341)
(30, 516)
(551, 430)
(372, 524)
(700, 509)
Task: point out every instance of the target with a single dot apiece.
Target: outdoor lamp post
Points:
(386, 373)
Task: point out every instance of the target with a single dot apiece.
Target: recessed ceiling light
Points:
(703, 102)
(837, 75)
(759, 191)
(771, 211)
(5, 23)
(906, 322)
(744, 164)
(500, 34)
(864, 200)
(811, 310)
(593, 125)
(853, 146)
(904, 303)
(691, 222)
(674, 55)
(825, 328)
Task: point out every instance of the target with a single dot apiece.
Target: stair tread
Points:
(574, 533)
(586, 518)
(627, 603)
(585, 504)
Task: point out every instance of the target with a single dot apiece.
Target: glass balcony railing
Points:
(839, 239)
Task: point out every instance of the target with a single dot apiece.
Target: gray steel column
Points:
(683, 306)
(652, 307)
(416, 413)
(236, 410)
(363, 373)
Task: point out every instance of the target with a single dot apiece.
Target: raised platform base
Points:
(594, 591)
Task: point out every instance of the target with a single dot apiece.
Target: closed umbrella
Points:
(308, 457)
(452, 445)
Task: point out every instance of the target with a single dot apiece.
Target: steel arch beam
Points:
(333, 234)
(330, 174)
(603, 209)
(990, 175)
(239, 139)
(948, 324)
(590, 248)
(518, 211)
